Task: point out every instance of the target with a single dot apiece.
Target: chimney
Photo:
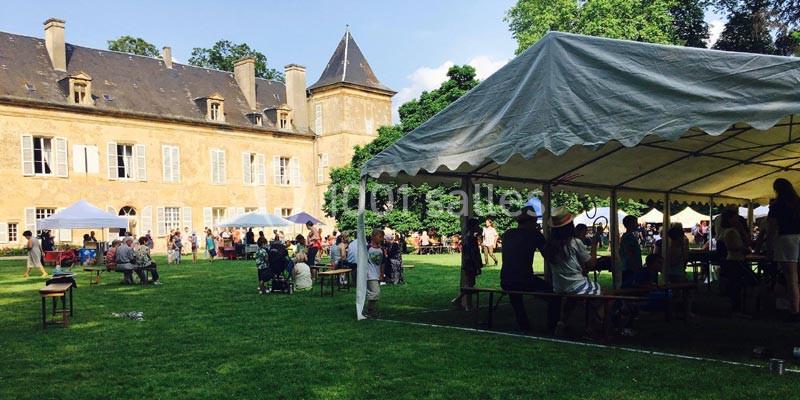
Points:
(296, 95)
(54, 41)
(245, 73)
(166, 56)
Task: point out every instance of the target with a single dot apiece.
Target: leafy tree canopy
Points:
(747, 29)
(689, 22)
(640, 20)
(224, 54)
(133, 45)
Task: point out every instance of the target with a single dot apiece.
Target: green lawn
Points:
(208, 334)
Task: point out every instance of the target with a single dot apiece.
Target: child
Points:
(374, 273)
(262, 265)
(193, 241)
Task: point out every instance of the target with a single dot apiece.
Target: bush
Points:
(13, 251)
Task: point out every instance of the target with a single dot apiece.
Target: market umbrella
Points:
(302, 218)
(255, 220)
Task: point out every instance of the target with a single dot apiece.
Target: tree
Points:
(640, 20)
(782, 14)
(747, 30)
(132, 45)
(788, 43)
(224, 54)
(689, 23)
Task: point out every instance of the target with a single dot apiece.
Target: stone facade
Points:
(173, 172)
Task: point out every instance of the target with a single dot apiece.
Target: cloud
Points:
(428, 78)
(715, 27)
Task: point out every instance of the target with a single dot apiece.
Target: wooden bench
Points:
(333, 276)
(684, 288)
(54, 291)
(94, 279)
(606, 300)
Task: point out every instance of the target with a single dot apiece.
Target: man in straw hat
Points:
(516, 274)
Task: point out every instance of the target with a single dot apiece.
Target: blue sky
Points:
(409, 43)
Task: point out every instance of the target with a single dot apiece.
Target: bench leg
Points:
(44, 313)
(54, 305)
(491, 310)
(477, 309)
(668, 301)
(71, 313)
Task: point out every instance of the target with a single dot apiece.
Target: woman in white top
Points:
(490, 238)
(569, 258)
(301, 273)
(34, 254)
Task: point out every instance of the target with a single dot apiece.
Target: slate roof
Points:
(127, 83)
(348, 65)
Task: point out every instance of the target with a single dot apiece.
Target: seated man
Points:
(516, 274)
(126, 262)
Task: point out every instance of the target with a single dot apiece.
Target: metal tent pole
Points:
(547, 195)
(750, 217)
(664, 228)
(613, 241)
(361, 273)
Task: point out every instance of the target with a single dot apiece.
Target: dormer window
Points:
(215, 111)
(284, 120)
(80, 89)
(79, 93)
(215, 108)
(256, 118)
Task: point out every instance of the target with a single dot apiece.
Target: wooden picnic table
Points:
(333, 275)
(54, 291)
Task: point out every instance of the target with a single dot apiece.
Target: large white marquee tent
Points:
(612, 117)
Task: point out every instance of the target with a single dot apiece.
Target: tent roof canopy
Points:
(591, 114)
(255, 220)
(303, 217)
(81, 215)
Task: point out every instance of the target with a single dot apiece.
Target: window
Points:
(281, 166)
(217, 216)
(322, 168)
(172, 218)
(79, 91)
(285, 212)
(42, 155)
(42, 213)
(318, 119)
(85, 159)
(253, 169)
(215, 111)
(283, 120)
(171, 159)
(218, 172)
(127, 211)
(12, 232)
(368, 126)
(250, 209)
(126, 161)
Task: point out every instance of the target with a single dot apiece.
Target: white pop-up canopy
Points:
(81, 215)
(629, 119)
(688, 218)
(651, 217)
(758, 212)
(255, 220)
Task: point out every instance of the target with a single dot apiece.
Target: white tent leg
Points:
(361, 273)
(613, 241)
(547, 194)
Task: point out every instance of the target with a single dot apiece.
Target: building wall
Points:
(350, 117)
(194, 190)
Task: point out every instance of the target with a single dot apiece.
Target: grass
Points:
(207, 334)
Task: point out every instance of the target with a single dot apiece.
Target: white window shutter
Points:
(140, 153)
(260, 173)
(79, 158)
(27, 155)
(223, 171)
(246, 169)
(294, 167)
(166, 163)
(92, 159)
(161, 226)
(147, 220)
(208, 218)
(30, 219)
(239, 211)
(111, 148)
(186, 215)
(277, 211)
(62, 162)
(3, 232)
(262, 210)
(176, 164)
(213, 155)
(276, 170)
